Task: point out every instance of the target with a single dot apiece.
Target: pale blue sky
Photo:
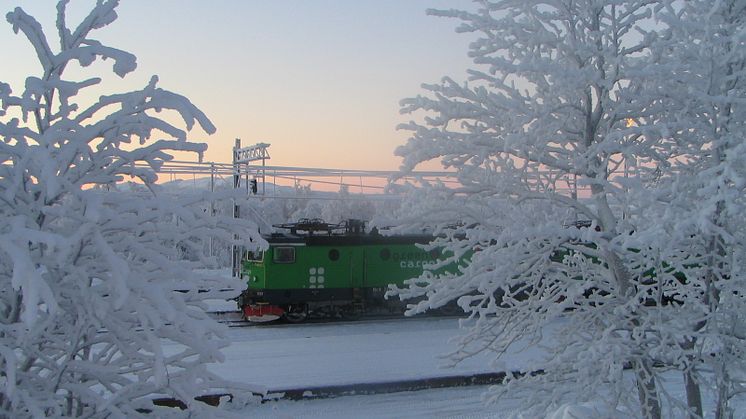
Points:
(318, 79)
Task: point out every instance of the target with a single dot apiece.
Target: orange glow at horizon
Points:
(320, 82)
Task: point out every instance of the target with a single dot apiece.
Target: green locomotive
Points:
(318, 270)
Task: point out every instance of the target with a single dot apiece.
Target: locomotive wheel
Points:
(296, 313)
(351, 312)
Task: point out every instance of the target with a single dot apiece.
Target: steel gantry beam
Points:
(251, 153)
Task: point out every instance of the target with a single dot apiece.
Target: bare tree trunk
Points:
(722, 411)
(647, 391)
(693, 395)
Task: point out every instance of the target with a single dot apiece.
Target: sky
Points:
(320, 80)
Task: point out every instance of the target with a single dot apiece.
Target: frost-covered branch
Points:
(636, 104)
(90, 323)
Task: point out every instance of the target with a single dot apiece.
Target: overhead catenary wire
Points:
(317, 175)
(312, 175)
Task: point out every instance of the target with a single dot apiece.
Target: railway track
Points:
(234, 319)
(332, 391)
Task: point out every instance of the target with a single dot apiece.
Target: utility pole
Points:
(235, 256)
(241, 159)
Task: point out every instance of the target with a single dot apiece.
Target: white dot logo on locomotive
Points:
(316, 278)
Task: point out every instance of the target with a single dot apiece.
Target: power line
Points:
(326, 182)
(187, 167)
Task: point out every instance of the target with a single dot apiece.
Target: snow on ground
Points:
(460, 402)
(281, 356)
(310, 355)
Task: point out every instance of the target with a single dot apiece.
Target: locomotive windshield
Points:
(256, 256)
(284, 254)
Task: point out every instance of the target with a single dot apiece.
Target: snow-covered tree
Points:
(89, 323)
(568, 98)
(702, 71)
(347, 206)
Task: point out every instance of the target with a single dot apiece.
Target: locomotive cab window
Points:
(284, 255)
(256, 256)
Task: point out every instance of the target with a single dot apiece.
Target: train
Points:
(341, 270)
(322, 270)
